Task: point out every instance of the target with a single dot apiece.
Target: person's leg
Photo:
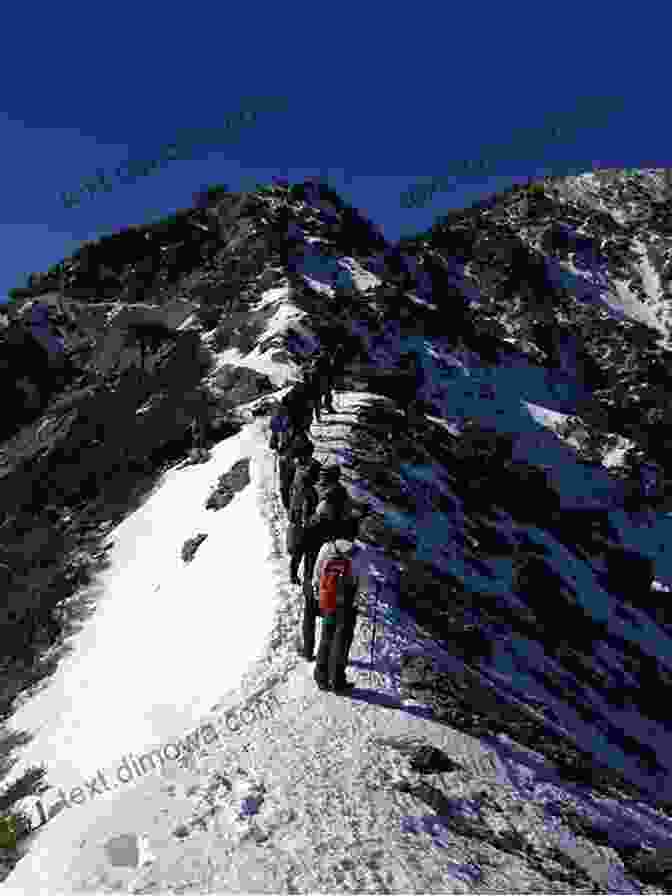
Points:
(350, 635)
(321, 673)
(336, 661)
(284, 482)
(309, 623)
(329, 398)
(340, 652)
(310, 558)
(295, 560)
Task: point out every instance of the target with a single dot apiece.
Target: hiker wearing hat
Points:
(319, 379)
(338, 577)
(299, 406)
(295, 446)
(325, 523)
(303, 503)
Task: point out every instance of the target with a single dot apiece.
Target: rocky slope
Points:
(520, 545)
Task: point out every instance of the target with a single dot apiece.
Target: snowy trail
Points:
(165, 641)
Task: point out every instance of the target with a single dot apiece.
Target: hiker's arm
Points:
(317, 571)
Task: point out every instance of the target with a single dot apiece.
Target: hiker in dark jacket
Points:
(338, 628)
(324, 524)
(327, 382)
(280, 424)
(299, 404)
(338, 361)
(302, 505)
(321, 373)
(282, 434)
(312, 375)
(294, 447)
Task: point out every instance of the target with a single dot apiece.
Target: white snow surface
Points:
(161, 647)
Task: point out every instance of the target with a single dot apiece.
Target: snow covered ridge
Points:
(513, 583)
(524, 144)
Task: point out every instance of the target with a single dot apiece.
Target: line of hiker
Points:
(323, 526)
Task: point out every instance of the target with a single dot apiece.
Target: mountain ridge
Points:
(505, 507)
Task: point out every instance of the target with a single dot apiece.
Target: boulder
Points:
(241, 384)
(191, 545)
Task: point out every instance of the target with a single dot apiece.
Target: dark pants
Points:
(328, 398)
(315, 402)
(310, 558)
(309, 622)
(336, 638)
(296, 557)
(286, 471)
(311, 548)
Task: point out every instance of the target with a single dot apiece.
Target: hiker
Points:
(300, 405)
(312, 381)
(325, 522)
(338, 361)
(281, 435)
(279, 425)
(320, 383)
(338, 577)
(302, 505)
(327, 382)
(295, 445)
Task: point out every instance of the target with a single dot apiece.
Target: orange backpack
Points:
(333, 584)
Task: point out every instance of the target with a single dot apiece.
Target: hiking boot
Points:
(323, 685)
(308, 657)
(342, 687)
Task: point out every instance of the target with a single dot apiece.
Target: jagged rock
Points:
(653, 866)
(191, 545)
(429, 760)
(122, 851)
(239, 384)
(229, 484)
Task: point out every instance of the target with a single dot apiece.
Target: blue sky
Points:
(377, 100)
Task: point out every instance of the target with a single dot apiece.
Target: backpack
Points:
(325, 521)
(334, 585)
